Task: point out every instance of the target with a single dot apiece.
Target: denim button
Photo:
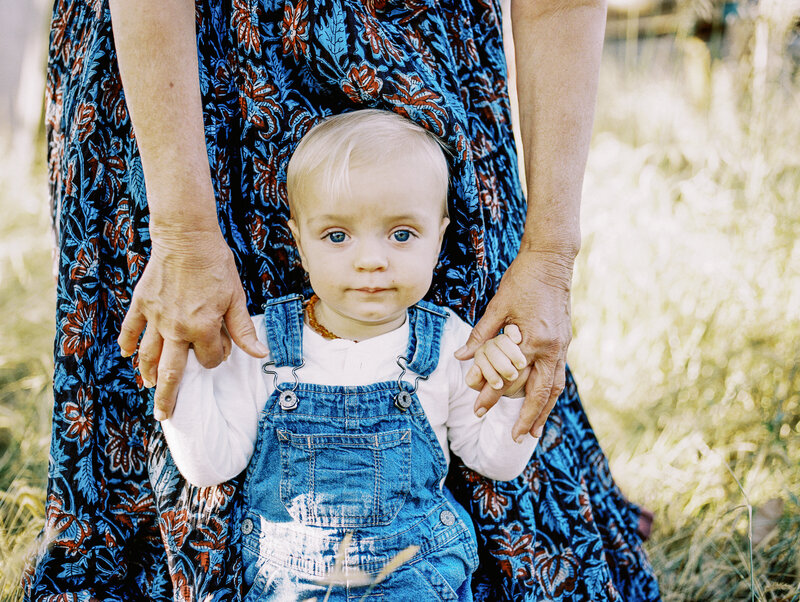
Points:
(247, 526)
(402, 401)
(288, 400)
(447, 518)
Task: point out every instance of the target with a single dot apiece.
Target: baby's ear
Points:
(442, 228)
(296, 235)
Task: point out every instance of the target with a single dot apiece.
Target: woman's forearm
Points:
(558, 44)
(157, 54)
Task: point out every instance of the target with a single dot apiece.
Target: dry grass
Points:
(687, 317)
(687, 313)
(27, 307)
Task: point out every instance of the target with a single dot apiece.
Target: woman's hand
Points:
(534, 294)
(189, 295)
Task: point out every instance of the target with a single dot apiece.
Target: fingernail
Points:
(461, 350)
(159, 414)
(124, 353)
(480, 412)
(147, 383)
(497, 386)
(538, 432)
(262, 348)
(520, 439)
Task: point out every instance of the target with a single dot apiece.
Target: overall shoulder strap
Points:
(283, 319)
(426, 322)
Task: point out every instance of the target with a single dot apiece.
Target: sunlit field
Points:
(686, 310)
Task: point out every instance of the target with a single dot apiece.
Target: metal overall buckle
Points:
(403, 399)
(287, 398)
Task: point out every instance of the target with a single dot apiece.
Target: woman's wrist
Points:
(562, 250)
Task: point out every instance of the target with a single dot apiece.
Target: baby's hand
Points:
(500, 363)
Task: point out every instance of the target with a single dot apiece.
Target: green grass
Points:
(686, 309)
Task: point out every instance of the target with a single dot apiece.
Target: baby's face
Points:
(371, 254)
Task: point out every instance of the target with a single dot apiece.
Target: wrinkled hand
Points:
(534, 294)
(189, 295)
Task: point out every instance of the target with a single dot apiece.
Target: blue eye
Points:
(402, 235)
(337, 237)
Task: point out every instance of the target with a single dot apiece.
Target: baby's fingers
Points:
(506, 343)
(487, 369)
(513, 333)
(500, 360)
(474, 378)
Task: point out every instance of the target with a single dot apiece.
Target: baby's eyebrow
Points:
(327, 218)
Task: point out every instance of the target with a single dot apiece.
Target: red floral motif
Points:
(85, 120)
(375, 6)
(78, 328)
(489, 195)
(124, 448)
(63, 528)
(421, 48)
(415, 9)
(415, 101)
(491, 503)
(300, 120)
(245, 20)
(481, 145)
(134, 505)
(513, 552)
(362, 83)
(174, 527)
(182, 589)
(117, 227)
(267, 184)
(214, 538)
(378, 41)
(461, 40)
(106, 166)
(111, 99)
(59, 42)
(80, 417)
(295, 29)
(258, 101)
(136, 263)
(477, 241)
(85, 262)
(222, 177)
(216, 496)
(535, 477)
(557, 573)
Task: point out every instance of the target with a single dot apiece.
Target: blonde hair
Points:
(333, 147)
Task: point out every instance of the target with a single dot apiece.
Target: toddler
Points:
(346, 429)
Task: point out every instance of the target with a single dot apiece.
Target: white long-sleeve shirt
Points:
(212, 432)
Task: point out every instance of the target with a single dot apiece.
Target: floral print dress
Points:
(121, 524)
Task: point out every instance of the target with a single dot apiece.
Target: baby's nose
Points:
(370, 257)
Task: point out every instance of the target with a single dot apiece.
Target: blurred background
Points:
(686, 299)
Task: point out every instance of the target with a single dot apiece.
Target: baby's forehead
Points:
(383, 193)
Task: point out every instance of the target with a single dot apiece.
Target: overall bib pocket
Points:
(342, 479)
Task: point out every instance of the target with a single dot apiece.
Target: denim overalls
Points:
(333, 460)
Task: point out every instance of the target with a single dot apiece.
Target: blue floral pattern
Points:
(120, 522)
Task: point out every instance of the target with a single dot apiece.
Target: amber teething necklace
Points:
(315, 325)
